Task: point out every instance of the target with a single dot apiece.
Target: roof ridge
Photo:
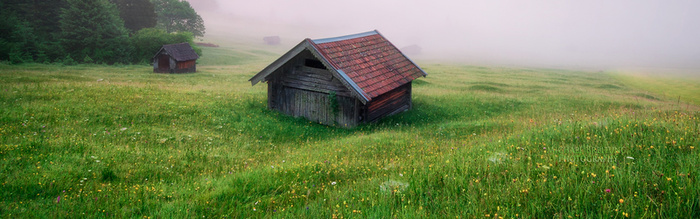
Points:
(346, 37)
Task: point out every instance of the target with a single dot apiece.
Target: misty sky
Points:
(582, 33)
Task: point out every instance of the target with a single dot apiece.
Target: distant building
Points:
(175, 58)
(341, 81)
(272, 40)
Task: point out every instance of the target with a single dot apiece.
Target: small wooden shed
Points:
(341, 81)
(175, 58)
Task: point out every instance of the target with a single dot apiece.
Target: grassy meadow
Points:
(675, 86)
(119, 141)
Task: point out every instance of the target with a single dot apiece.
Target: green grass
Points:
(683, 88)
(106, 141)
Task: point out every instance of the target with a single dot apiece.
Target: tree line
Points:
(94, 31)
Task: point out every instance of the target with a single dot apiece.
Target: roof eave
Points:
(347, 37)
(278, 63)
(156, 55)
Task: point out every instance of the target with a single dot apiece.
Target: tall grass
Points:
(101, 141)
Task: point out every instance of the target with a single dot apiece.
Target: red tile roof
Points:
(366, 63)
(374, 64)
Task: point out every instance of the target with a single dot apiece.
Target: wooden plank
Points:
(390, 103)
(316, 71)
(383, 99)
(386, 100)
(313, 106)
(386, 111)
(309, 80)
(270, 96)
(302, 75)
(320, 88)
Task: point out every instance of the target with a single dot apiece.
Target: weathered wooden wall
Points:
(161, 64)
(392, 102)
(165, 64)
(302, 91)
(185, 67)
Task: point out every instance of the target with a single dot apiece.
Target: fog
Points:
(551, 33)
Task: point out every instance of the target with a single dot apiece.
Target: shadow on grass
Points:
(456, 115)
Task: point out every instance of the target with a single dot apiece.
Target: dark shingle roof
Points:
(180, 52)
(367, 63)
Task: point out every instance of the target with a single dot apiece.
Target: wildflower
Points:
(58, 199)
(333, 183)
(621, 201)
(123, 129)
(607, 190)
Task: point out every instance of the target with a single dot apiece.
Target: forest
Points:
(94, 31)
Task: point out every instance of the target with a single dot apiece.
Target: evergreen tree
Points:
(46, 28)
(18, 42)
(178, 16)
(137, 14)
(34, 24)
(92, 28)
(43, 16)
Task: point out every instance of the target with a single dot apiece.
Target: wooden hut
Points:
(175, 58)
(341, 81)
